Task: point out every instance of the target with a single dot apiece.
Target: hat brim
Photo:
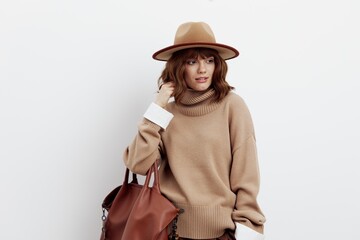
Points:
(225, 51)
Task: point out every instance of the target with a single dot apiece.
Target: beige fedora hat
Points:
(195, 34)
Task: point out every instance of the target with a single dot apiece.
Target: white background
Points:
(76, 77)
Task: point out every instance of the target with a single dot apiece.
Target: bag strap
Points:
(153, 169)
(126, 179)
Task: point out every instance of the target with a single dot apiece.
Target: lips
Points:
(201, 79)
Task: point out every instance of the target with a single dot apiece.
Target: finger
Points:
(169, 84)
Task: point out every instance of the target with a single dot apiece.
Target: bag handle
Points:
(126, 179)
(156, 184)
(111, 196)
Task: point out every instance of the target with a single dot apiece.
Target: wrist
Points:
(160, 103)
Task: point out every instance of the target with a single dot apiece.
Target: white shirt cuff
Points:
(158, 115)
(246, 233)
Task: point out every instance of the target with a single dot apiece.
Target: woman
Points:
(204, 140)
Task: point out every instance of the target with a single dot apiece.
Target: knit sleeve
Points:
(146, 147)
(245, 182)
(144, 150)
(244, 175)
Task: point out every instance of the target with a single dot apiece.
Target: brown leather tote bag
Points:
(138, 212)
(118, 204)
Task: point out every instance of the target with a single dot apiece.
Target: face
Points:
(199, 72)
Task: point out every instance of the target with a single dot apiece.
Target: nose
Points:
(202, 67)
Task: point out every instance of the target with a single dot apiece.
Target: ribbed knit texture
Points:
(197, 103)
(209, 163)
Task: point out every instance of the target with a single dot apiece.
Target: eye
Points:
(191, 61)
(210, 60)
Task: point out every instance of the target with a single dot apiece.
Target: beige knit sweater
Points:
(208, 163)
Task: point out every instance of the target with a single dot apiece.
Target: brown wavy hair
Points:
(175, 71)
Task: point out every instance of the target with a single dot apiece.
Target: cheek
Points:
(212, 69)
(211, 73)
(187, 81)
(187, 75)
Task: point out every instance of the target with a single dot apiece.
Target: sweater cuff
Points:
(246, 233)
(158, 115)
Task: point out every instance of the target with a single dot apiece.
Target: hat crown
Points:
(192, 32)
(195, 35)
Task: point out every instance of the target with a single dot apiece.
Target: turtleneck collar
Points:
(197, 103)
